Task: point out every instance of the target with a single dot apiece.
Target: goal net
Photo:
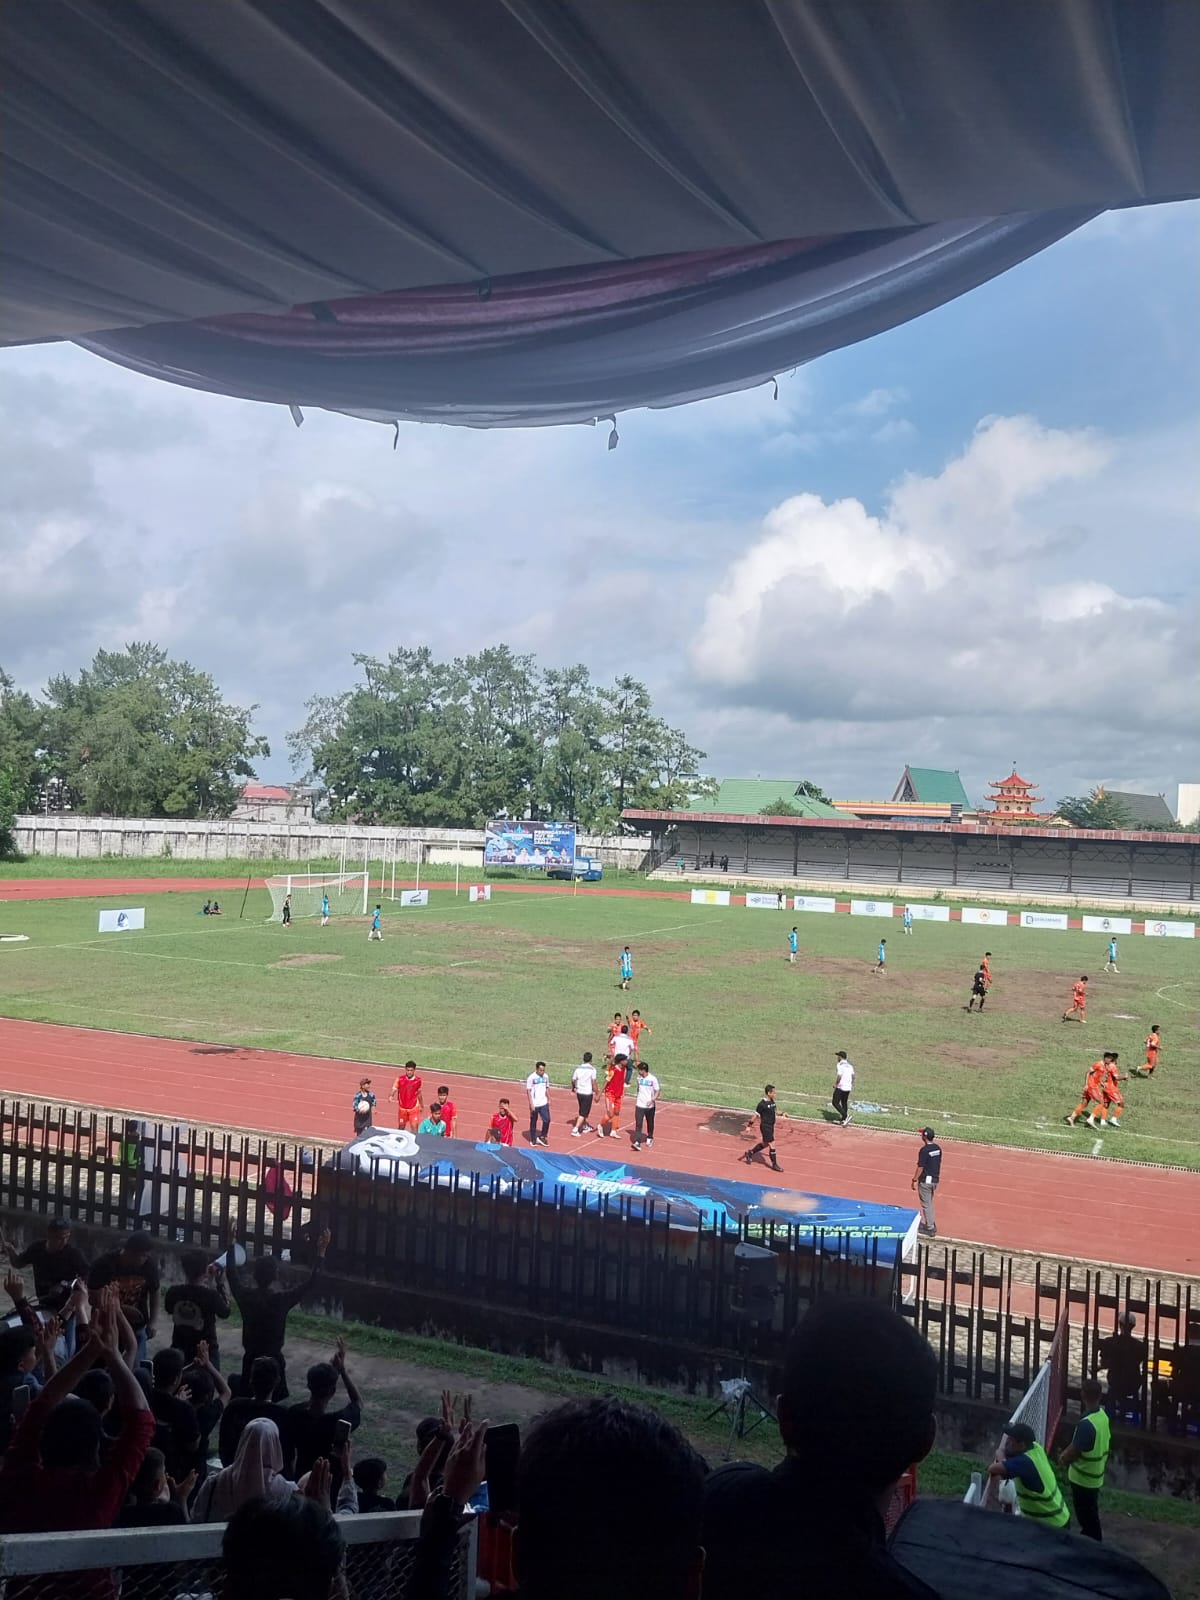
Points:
(346, 891)
(1041, 1406)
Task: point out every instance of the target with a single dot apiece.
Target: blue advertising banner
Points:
(529, 844)
(693, 1198)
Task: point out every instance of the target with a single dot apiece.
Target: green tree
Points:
(813, 791)
(8, 815)
(22, 741)
(781, 808)
(1094, 810)
(138, 734)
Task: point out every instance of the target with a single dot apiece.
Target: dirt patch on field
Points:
(410, 972)
(309, 960)
(976, 1057)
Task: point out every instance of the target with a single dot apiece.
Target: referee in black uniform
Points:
(765, 1111)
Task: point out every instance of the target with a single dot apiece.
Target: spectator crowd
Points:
(98, 1432)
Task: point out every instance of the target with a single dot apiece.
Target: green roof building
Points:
(750, 797)
(933, 787)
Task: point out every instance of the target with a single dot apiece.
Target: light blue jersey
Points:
(1112, 949)
(908, 916)
(882, 953)
(793, 942)
(324, 905)
(375, 922)
(626, 964)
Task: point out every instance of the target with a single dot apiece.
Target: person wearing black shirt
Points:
(312, 1426)
(264, 1380)
(370, 1475)
(55, 1261)
(195, 1305)
(265, 1307)
(137, 1280)
(978, 990)
(1122, 1357)
(178, 1431)
(765, 1111)
(926, 1179)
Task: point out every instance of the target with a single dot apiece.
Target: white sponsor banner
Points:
(870, 908)
(479, 891)
(812, 902)
(1170, 930)
(414, 897)
(122, 921)
(930, 913)
(710, 897)
(764, 902)
(1107, 925)
(989, 916)
(1045, 919)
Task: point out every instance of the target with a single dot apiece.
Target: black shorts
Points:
(585, 1105)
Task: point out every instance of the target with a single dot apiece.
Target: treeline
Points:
(136, 734)
(452, 743)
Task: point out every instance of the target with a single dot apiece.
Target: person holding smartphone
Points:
(315, 1429)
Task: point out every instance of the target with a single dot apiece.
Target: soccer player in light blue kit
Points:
(907, 919)
(324, 910)
(793, 945)
(881, 960)
(626, 967)
(376, 924)
(1111, 964)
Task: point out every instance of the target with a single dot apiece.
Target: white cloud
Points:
(875, 403)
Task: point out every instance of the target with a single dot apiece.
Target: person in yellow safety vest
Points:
(1028, 1465)
(1086, 1457)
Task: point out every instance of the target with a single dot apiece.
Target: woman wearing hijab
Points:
(256, 1474)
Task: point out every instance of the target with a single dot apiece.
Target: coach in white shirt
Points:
(842, 1084)
(583, 1081)
(643, 1111)
(537, 1087)
(621, 1049)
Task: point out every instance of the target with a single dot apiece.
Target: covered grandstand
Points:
(1139, 869)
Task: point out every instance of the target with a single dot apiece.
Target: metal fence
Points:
(477, 1250)
(185, 1563)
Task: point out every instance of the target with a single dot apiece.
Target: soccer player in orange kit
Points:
(1093, 1094)
(1152, 1044)
(1078, 1006)
(614, 1092)
(1114, 1100)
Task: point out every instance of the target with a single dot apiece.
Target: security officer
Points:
(1028, 1465)
(1086, 1456)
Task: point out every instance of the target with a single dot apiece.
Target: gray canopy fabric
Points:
(168, 161)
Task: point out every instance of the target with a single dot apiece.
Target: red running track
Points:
(1138, 1216)
(106, 888)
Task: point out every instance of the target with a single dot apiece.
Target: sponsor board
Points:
(1107, 925)
(1045, 919)
(414, 897)
(765, 902)
(710, 897)
(1169, 930)
(479, 891)
(988, 916)
(871, 908)
(122, 921)
(812, 902)
(930, 913)
(528, 844)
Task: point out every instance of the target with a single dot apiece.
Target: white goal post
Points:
(347, 893)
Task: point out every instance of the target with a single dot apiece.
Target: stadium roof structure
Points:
(843, 824)
(934, 785)
(1143, 808)
(551, 211)
(751, 795)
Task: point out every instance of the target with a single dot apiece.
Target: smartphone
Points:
(502, 1455)
(20, 1401)
(341, 1434)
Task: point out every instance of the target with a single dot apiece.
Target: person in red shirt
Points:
(53, 1480)
(502, 1121)
(406, 1092)
(637, 1027)
(1093, 1094)
(1078, 1006)
(449, 1109)
(614, 1091)
(1152, 1045)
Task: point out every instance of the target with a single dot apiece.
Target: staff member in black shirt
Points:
(265, 1307)
(765, 1111)
(55, 1261)
(926, 1178)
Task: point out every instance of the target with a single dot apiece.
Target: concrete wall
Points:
(140, 838)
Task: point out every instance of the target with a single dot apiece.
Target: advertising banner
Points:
(479, 891)
(688, 1198)
(710, 897)
(812, 902)
(987, 915)
(765, 902)
(870, 908)
(1170, 930)
(122, 921)
(414, 897)
(1045, 919)
(1107, 925)
(930, 913)
(528, 844)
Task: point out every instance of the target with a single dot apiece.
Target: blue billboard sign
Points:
(529, 844)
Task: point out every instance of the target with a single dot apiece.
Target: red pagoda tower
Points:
(1013, 800)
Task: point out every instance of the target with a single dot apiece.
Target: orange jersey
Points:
(638, 1028)
(1078, 996)
(1097, 1077)
(614, 1084)
(986, 967)
(1152, 1043)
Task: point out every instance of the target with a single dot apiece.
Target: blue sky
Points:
(968, 541)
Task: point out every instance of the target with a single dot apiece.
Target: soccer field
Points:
(487, 989)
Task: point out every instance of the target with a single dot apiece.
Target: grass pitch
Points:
(485, 989)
